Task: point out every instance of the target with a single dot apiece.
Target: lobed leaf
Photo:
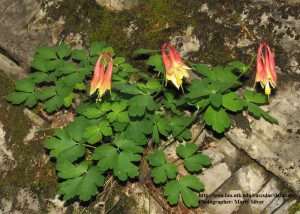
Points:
(217, 118)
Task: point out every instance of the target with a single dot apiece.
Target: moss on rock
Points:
(31, 169)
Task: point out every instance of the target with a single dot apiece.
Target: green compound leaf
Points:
(94, 133)
(170, 103)
(106, 155)
(38, 64)
(127, 145)
(160, 126)
(196, 162)
(72, 79)
(109, 49)
(202, 88)
(119, 127)
(76, 128)
(118, 113)
(95, 111)
(17, 98)
(25, 85)
(202, 69)
(127, 68)
(180, 127)
(217, 118)
(215, 99)
(163, 126)
(68, 170)
(69, 99)
(187, 150)
(84, 186)
(158, 158)
(31, 101)
(224, 75)
(120, 163)
(63, 51)
(123, 166)
(39, 77)
(257, 111)
(97, 48)
(63, 147)
(53, 104)
(192, 162)
(45, 52)
(154, 86)
(78, 54)
(119, 60)
(26, 94)
(184, 188)
(157, 62)
(239, 65)
(67, 67)
(126, 88)
(45, 65)
(254, 97)
(161, 170)
(231, 102)
(137, 131)
(142, 51)
(138, 105)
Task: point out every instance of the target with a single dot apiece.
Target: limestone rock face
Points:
(251, 178)
(117, 5)
(22, 29)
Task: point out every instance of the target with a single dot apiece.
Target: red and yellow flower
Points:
(102, 75)
(176, 69)
(265, 68)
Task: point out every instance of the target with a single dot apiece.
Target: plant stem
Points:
(93, 147)
(193, 120)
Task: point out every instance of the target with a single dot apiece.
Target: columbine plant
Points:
(102, 79)
(110, 132)
(174, 66)
(265, 68)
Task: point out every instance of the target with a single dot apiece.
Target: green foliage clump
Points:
(109, 137)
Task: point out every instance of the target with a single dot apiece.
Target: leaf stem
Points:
(89, 146)
(196, 114)
(250, 64)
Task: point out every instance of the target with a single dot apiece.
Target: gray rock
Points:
(273, 187)
(285, 207)
(117, 5)
(6, 155)
(6, 206)
(22, 29)
(10, 68)
(188, 42)
(277, 202)
(234, 157)
(215, 154)
(57, 206)
(225, 208)
(145, 201)
(276, 146)
(27, 201)
(36, 119)
(251, 178)
(213, 178)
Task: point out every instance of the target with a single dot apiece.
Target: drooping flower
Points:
(265, 68)
(176, 69)
(102, 75)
